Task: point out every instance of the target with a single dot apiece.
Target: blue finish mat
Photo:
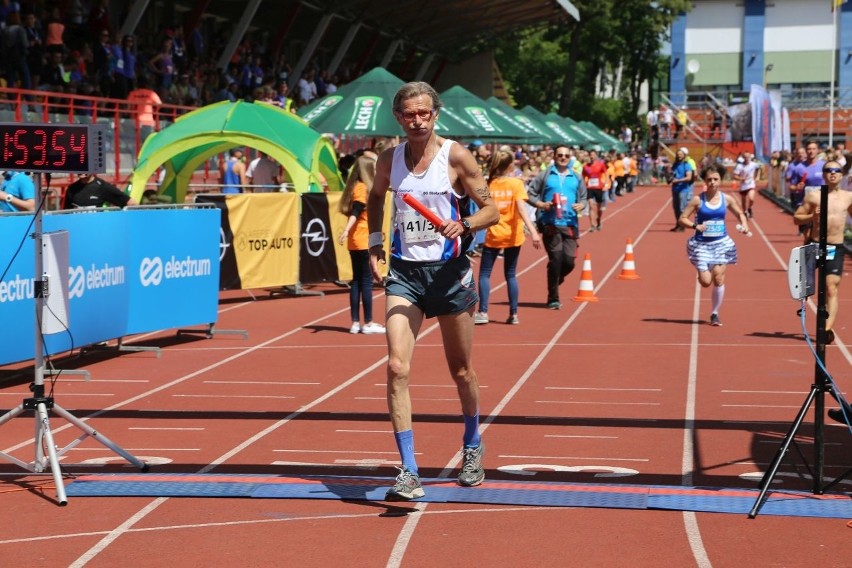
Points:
(548, 494)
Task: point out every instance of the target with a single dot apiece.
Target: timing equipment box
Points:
(801, 270)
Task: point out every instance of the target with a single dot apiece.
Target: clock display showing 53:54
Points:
(53, 148)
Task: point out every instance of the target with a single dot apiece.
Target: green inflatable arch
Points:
(307, 156)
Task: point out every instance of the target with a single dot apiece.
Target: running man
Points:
(839, 206)
(745, 173)
(430, 274)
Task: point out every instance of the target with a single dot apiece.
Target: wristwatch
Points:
(8, 198)
(466, 224)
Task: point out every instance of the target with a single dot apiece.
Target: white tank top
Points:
(414, 238)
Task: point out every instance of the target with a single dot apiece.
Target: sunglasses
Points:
(832, 171)
(563, 155)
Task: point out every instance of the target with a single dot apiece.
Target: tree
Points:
(560, 67)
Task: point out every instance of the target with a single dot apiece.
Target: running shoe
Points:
(356, 327)
(472, 472)
(829, 336)
(406, 487)
(513, 319)
(837, 415)
(480, 318)
(372, 327)
(554, 305)
(714, 320)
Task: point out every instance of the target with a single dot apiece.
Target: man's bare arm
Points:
(471, 180)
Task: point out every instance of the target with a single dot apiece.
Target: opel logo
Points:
(315, 237)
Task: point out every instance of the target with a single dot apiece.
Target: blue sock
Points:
(405, 444)
(471, 438)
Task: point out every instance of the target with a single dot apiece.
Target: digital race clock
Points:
(72, 148)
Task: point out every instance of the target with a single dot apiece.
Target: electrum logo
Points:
(17, 289)
(322, 107)
(365, 113)
(81, 280)
(152, 271)
(481, 117)
(315, 236)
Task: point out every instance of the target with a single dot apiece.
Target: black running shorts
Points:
(438, 288)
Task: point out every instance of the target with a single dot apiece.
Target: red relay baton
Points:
(430, 216)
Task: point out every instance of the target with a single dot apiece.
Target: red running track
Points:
(635, 388)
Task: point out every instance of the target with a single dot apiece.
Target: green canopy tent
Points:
(539, 133)
(592, 140)
(364, 108)
(608, 139)
(489, 125)
(306, 155)
(564, 136)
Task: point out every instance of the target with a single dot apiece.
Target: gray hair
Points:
(415, 89)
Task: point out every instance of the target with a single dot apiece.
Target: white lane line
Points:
(258, 383)
(289, 451)
(285, 519)
(727, 391)
(580, 436)
(564, 458)
(230, 396)
(690, 520)
(598, 402)
(365, 431)
(166, 428)
(413, 398)
(596, 389)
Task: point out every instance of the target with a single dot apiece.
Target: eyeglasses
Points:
(563, 155)
(410, 115)
(832, 171)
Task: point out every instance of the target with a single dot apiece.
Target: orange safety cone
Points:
(587, 287)
(628, 269)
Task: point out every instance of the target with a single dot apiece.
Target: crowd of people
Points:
(79, 51)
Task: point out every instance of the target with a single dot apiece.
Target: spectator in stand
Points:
(52, 76)
(146, 101)
(15, 52)
(104, 63)
(307, 88)
(179, 55)
(99, 19)
(54, 32)
(91, 191)
(35, 46)
(281, 97)
(179, 91)
(124, 77)
(162, 66)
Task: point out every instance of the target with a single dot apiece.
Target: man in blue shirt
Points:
(683, 176)
(558, 194)
(17, 193)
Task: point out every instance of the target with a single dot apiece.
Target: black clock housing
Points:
(53, 148)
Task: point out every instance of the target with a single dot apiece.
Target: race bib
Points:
(415, 228)
(810, 188)
(594, 183)
(715, 228)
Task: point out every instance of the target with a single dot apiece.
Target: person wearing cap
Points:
(17, 193)
(683, 176)
(745, 173)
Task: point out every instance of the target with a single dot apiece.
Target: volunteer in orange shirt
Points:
(619, 173)
(507, 235)
(353, 204)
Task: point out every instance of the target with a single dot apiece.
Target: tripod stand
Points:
(820, 386)
(40, 404)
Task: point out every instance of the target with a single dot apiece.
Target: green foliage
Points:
(558, 68)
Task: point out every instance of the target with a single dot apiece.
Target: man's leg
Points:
(403, 321)
(553, 246)
(832, 302)
(457, 335)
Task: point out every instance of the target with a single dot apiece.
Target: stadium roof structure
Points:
(450, 29)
